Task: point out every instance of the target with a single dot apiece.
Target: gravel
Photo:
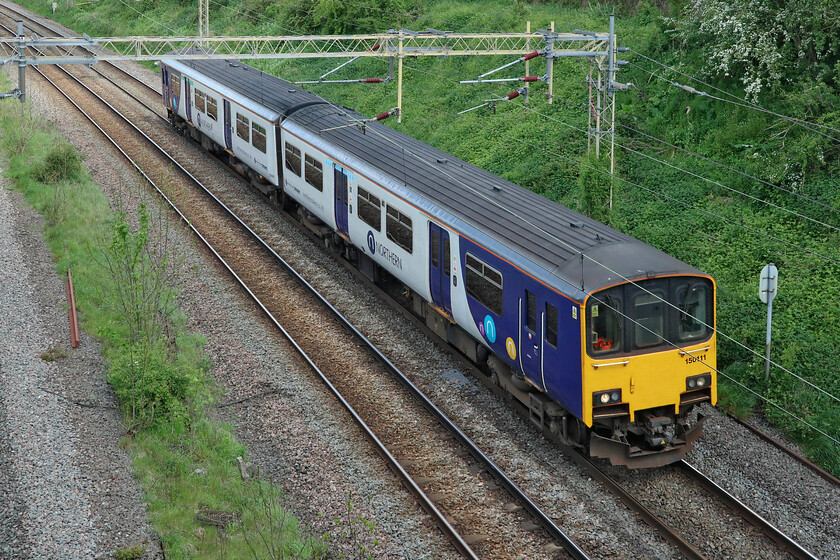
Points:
(66, 487)
(300, 439)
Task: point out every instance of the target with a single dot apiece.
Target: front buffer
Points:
(619, 451)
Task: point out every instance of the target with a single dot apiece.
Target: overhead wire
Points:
(163, 25)
(743, 101)
(655, 295)
(717, 183)
(642, 288)
(803, 123)
(604, 266)
(800, 378)
(704, 158)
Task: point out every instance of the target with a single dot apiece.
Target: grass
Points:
(698, 222)
(186, 465)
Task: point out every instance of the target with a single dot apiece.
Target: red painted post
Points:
(74, 319)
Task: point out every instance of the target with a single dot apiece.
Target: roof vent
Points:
(598, 237)
(576, 225)
(497, 188)
(442, 160)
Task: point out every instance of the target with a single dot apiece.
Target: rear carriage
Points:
(608, 341)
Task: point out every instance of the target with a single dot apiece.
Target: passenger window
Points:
(293, 159)
(693, 312)
(199, 100)
(398, 228)
(649, 314)
(531, 311)
(314, 173)
(211, 108)
(370, 209)
(551, 324)
(446, 264)
(243, 127)
(435, 249)
(604, 324)
(175, 84)
(484, 284)
(258, 137)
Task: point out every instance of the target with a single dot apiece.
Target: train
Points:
(608, 342)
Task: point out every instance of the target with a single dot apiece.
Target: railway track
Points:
(433, 457)
(409, 458)
(45, 28)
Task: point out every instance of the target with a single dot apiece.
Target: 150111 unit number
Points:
(692, 359)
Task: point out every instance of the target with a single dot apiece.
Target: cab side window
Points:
(605, 321)
(693, 315)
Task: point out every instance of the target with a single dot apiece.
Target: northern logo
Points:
(383, 251)
(371, 243)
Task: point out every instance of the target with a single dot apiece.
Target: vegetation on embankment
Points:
(782, 56)
(197, 500)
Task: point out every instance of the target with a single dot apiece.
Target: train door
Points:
(228, 137)
(188, 98)
(439, 267)
(342, 200)
(532, 323)
(167, 94)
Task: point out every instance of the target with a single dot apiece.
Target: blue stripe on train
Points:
(528, 349)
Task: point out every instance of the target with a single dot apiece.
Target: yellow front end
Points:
(648, 381)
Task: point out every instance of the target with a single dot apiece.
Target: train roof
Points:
(526, 223)
(546, 233)
(265, 90)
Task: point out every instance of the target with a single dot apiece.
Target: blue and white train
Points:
(608, 341)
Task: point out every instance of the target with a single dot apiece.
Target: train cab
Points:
(649, 358)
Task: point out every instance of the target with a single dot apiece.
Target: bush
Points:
(61, 163)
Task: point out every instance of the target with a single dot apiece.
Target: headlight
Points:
(601, 398)
(698, 381)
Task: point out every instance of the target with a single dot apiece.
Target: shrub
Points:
(61, 163)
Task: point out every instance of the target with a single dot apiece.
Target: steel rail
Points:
(746, 512)
(784, 448)
(654, 521)
(544, 521)
(463, 548)
(20, 13)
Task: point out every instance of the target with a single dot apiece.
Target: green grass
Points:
(185, 463)
(541, 151)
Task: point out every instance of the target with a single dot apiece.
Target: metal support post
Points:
(598, 110)
(203, 21)
(768, 287)
(21, 63)
(549, 68)
(527, 62)
(590, 104)
(611, 94)
(767, 341)
(399, 78)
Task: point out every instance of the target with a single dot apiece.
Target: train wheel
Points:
(577, 432)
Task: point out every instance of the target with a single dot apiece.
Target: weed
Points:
(130, 552)
(53, 354)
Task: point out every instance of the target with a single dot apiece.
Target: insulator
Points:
(372, 81)
(529, 56)
(375, 47)
(512, 95)
(530, 79)
(382, 116)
